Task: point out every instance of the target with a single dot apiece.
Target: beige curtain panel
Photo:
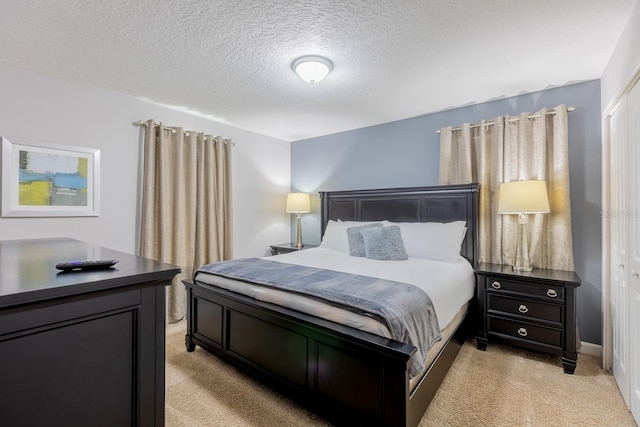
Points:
(186, 203)
(510, 148)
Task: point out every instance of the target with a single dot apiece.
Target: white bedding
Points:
(449, 284)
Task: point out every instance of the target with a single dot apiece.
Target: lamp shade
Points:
(312, 68)
(523, 197)
(298, 203)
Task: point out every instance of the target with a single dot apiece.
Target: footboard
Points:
(348, 376)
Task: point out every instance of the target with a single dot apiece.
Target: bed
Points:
(347, 375)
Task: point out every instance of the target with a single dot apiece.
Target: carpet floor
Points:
(503, 386)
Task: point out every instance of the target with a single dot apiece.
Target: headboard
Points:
(443, 203)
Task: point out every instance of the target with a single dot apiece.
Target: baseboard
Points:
(591, 349)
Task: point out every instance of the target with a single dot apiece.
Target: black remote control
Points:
(86, 265)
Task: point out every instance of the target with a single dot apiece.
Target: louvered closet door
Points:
(619, 268)
(633, 219)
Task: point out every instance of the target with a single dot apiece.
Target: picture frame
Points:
(49, 180)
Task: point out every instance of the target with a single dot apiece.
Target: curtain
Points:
(186, 203)
(527, 146)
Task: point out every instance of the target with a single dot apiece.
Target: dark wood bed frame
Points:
(346, 375)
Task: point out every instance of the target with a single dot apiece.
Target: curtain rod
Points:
(173, 130)
(515, 119)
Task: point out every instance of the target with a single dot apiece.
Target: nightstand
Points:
(284, 248)
(534, 310)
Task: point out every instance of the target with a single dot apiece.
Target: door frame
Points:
(607, 326)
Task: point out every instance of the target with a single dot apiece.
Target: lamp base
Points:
(298, 244)
(523, 263)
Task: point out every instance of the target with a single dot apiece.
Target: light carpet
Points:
(503, 386)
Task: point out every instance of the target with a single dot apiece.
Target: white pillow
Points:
(433, 240)
(335, 235)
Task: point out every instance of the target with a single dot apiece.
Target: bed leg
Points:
(482, 344)
(189, 344)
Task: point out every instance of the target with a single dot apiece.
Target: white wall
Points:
(39, 108)
(624, 62)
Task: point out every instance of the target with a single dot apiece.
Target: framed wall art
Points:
(48, 180)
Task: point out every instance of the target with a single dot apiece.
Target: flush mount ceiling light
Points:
(312, 68)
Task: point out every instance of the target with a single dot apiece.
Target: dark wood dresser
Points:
(84, 347)
(535, 310)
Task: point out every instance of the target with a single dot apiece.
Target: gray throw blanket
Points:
(406, 310)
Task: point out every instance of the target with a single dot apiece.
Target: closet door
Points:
(633, 219)
(619, 268)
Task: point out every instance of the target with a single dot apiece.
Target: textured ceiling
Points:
(230, 60)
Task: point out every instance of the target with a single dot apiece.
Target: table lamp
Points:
(298, 203)
(522, 198)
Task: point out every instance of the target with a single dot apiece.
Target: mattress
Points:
(446, 333)
(450, 285)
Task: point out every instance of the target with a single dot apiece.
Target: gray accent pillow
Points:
(384, 243)
(356, 242)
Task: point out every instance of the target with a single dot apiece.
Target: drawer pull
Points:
(496, 285)
(621, 266)
(522, 332)
(552, 293)
(635, 274)
(523, 308)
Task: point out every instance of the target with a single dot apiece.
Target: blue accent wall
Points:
(406, 153)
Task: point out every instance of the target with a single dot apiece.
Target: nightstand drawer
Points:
(526, 331)
(543, 291)
(518, 306)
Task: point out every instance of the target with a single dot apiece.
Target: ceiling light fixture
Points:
(312, 68)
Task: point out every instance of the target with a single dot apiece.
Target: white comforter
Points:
(449, 284)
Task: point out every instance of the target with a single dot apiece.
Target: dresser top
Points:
(28, 270)
(568, 277)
